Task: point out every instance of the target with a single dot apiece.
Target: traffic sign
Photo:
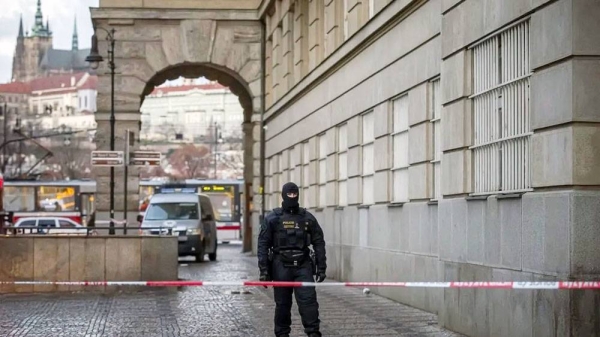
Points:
(108, 158)
(144, 158)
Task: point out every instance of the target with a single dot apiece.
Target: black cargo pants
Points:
(306, 298)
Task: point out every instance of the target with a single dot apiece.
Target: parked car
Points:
(50, 225)
(189, 216)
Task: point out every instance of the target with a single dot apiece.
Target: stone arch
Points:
(213, 72)
(154, 46)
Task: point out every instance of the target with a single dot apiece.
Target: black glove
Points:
(321, 276)
(264, 277)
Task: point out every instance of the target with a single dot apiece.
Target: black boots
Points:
(315, 334)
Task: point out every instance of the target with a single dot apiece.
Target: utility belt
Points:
(294, 258)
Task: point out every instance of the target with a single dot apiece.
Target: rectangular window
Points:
(368, 148)
(400, 149)
(322, 170)
(342, 142)
(293, 167)
(306, 173)
(436, 106)
(282, 170)
(275, 185)
(268, 184)
(501, 113)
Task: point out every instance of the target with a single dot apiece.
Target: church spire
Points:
(39, 18)
(39, 29)
(75, 42)
(21, 27)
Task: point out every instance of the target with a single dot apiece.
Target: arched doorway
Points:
(149, 52)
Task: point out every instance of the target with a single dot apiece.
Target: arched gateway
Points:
(154, 45)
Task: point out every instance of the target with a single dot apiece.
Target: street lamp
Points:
(94, 60)
(4, 114)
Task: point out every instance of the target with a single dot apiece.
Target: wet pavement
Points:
(206, 311)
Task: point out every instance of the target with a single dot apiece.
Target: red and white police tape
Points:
(472, 285)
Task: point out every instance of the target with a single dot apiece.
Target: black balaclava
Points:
(290, 204)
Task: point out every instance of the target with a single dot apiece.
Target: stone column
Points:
(457, 130)
(334, 25)
(128, 86)
(124, 121)
(287, 49)
(300, 40)
(316, 33)
(253, 130)
(565, 151)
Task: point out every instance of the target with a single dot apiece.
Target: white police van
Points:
(189, 216)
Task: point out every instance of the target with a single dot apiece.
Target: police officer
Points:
(287, 232)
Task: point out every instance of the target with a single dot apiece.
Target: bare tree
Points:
(71, 161)
(190, 161)
(230, 164)
(152, 172)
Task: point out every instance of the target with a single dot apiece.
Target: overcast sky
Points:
(61, 14)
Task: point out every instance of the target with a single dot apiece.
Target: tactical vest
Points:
(291, 236)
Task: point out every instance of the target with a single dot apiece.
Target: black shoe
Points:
(314, 334)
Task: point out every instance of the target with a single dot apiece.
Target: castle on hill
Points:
(35, 57)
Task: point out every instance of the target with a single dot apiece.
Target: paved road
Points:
(204, 311)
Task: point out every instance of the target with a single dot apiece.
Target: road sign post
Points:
(129, 142)
(145, 158)
(108, 158)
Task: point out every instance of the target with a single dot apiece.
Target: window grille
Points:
(502, 128)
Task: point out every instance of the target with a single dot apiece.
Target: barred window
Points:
(436, 106)
(502, 128)
(342, 164)
(368, 148)
(400, 149)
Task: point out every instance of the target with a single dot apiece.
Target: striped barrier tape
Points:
(468, 285)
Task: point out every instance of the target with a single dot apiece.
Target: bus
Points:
(73, 199)
(225, 195)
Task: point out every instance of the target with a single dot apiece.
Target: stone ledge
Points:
(173, 14)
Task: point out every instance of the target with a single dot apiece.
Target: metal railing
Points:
(81, 231)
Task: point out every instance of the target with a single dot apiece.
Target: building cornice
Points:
(173, 14)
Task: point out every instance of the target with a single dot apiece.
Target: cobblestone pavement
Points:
(205, 311)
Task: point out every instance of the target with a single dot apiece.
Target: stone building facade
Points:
(191, 112)
(435, 140)
(157, 41)
(445, 141)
